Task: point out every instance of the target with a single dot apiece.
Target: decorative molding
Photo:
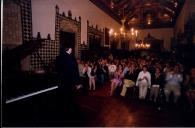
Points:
(96, 31)
(47, 54)
(51, 48)
(68, 24)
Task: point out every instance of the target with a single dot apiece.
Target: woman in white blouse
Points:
(143, 82)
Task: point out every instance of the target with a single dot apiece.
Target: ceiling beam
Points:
(102, 6)
(139, 8)
(121, 4)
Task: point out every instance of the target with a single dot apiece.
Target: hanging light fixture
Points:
(124, 33)
(149, 19)
(142, 45)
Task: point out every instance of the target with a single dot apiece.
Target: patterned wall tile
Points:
(45, 55)
(26, 12)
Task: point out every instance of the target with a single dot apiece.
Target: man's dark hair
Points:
(145, 66)
(66, 46)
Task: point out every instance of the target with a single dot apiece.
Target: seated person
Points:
(117, 80)
(143, 82)
(157, 83)
(129, 79)
(112, 69)
(191, 89)
(173, 83)
(91, 72)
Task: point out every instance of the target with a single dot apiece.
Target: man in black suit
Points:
(67, 68)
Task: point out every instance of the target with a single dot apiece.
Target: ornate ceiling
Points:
(142, 13)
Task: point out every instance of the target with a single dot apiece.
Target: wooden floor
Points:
(98, 109)
(118, 111)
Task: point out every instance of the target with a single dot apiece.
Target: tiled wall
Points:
(12, 28)
(45, 55)
(26, 13)
(94, 30)
(50, 49)
(68, 24)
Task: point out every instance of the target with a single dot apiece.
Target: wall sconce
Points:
(111, 32)
(84, 43)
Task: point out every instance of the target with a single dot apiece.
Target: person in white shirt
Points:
(80, 67)
(91, 72)
(143, 82)
(112, 69)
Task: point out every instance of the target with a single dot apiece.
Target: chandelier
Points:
(142, 45)
(124, 33)
(129, 36)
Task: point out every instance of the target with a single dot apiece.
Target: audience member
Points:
(173, 83)
(157, 83)
(117, 80)
(129, 79)
(143, 82)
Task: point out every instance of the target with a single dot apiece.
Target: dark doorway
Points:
(94, 42)
(67, 38)
(94, 46)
